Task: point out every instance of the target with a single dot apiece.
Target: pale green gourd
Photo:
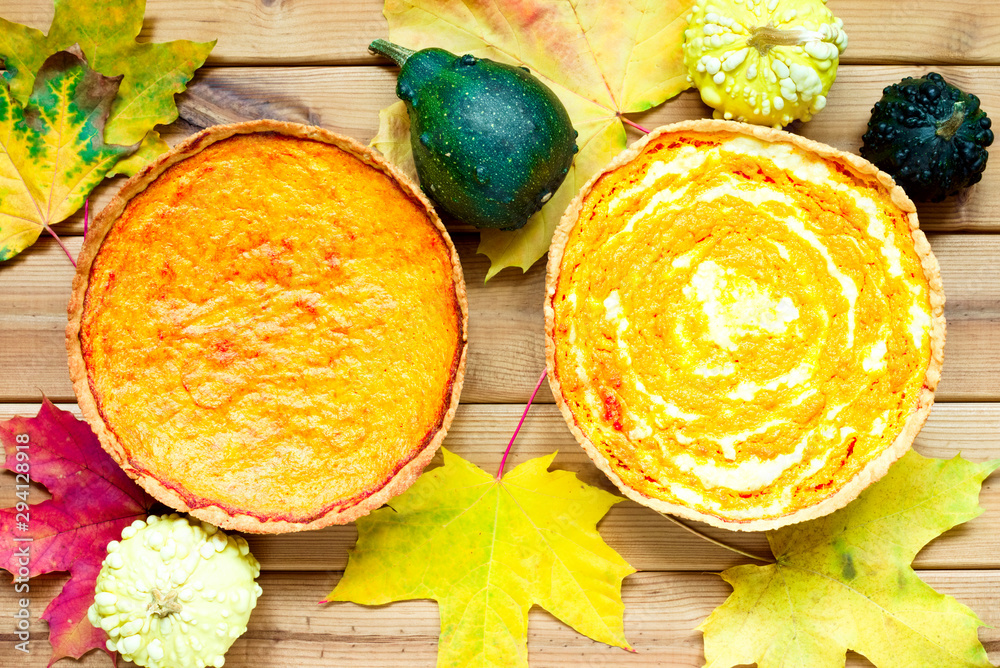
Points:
(175, 593)
(768, 62)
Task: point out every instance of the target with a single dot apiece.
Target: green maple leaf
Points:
(602, 63)
(52, 152)
(106, 31)
(844, 581)
(486, 550)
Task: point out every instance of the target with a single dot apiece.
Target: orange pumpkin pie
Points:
(744, 327)
(268, 328)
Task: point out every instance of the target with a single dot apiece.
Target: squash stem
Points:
(164, 604)
(947, 129)
(765, 38)
(397, 53)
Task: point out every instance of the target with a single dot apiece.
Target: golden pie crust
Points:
(743, 327)
(268, 328)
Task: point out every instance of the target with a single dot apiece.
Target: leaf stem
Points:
(86, 215)
(633, 124)
(503, 462)
(61, 244)
(712, 540)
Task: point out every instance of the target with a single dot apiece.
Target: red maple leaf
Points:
(92, 501)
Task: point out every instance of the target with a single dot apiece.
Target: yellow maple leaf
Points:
(844, 581)
(52, 152)
(151, 73)
(486, 550)
(602, 60)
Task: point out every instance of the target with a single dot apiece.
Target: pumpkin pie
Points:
(744, 327)
(268, 328)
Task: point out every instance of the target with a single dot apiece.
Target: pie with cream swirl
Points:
(743, 326)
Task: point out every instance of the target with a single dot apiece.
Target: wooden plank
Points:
(662, 612)
(289, 32)
(506, 351)
(888, 40)
(313, 31)
(506, 329)
(347, 100)
(645, 539)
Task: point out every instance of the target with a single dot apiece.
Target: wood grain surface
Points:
(662, 611)
(347, 100)
(506, 327)
(307, 61)
(337, 32)
(480, 433)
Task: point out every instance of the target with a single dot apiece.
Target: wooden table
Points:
(306, 60)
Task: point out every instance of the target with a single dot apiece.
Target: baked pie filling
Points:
(273, 327)
(740, 327)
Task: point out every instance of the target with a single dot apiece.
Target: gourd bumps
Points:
(767, 62)
(929, 136)
(175, 593)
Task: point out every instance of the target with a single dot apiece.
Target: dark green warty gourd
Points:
(490, 141)
(930, 136)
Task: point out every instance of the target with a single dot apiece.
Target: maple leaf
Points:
(844, 581)
(106, 32)
(602, 60)
(92, 501)
(52, 152)
(486, 550)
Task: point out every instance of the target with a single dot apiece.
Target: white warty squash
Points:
(175, 593)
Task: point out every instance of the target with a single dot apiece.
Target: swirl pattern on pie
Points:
(268, 328)
(744, 327)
